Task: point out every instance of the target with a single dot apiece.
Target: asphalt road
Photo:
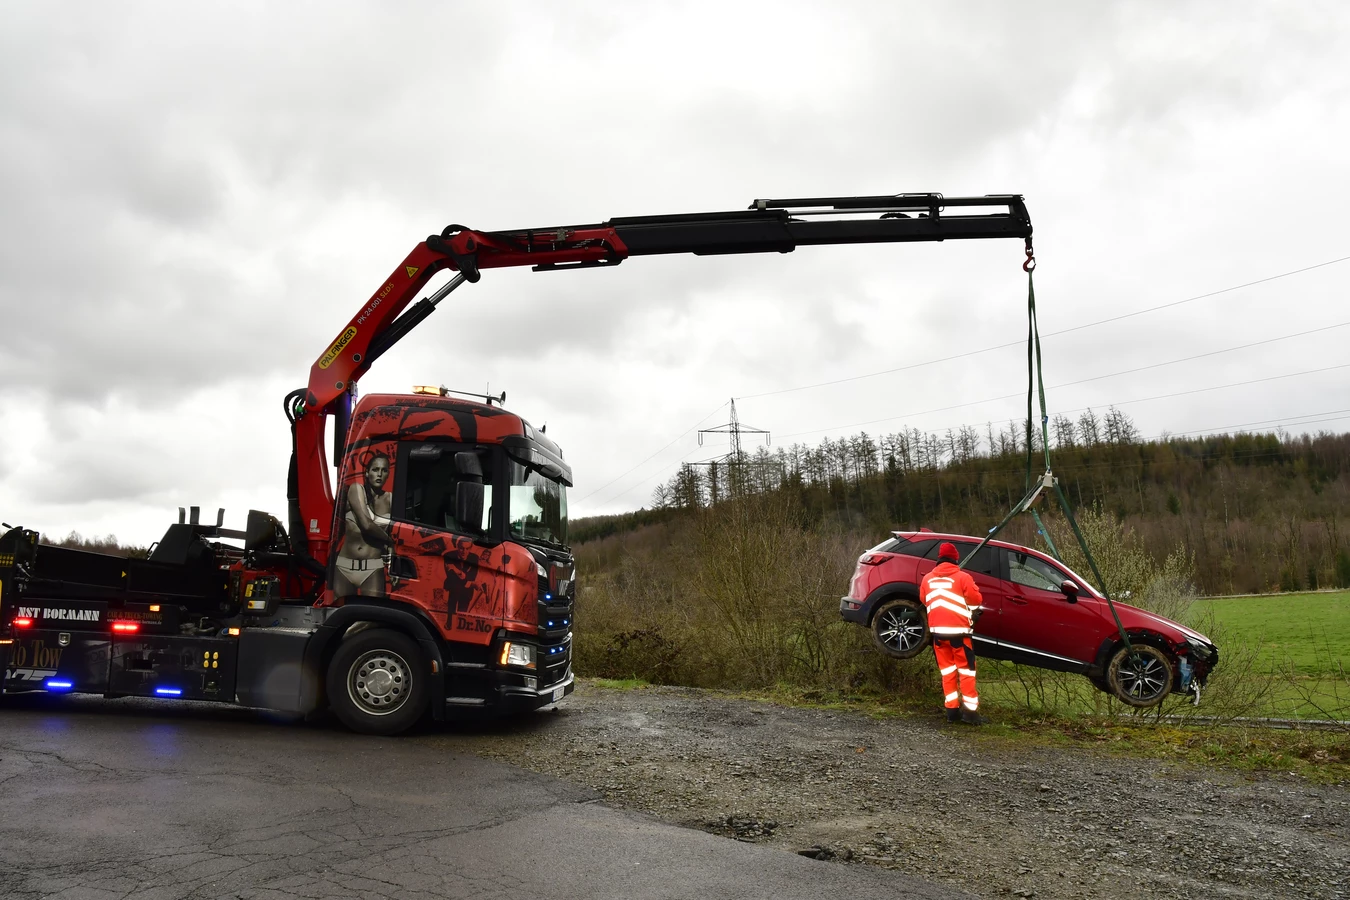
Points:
(137, 799)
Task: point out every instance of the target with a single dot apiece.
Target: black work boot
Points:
(971, 717)
(954, 714)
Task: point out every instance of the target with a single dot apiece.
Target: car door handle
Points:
(1019, 600)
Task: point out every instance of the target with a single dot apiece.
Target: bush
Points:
(738, 595)
(1130, 571)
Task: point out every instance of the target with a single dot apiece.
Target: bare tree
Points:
(1064, 432)
(1089, 429)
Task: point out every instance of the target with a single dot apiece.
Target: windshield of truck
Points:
(538, 506)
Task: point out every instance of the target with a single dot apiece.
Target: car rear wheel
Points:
(1140, 682)
(900, 628)
(377, 682)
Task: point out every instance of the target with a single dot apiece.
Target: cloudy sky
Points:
(196, 197)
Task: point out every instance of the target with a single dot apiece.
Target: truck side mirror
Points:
(468, 464)
(469, 505)
(1070, 591)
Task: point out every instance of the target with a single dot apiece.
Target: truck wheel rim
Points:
(901, 628)
(1143, 680)
(379, 682)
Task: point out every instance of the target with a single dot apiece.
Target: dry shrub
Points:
(1131, 573)
(740, 595)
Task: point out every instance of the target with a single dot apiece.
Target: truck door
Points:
(448, 554)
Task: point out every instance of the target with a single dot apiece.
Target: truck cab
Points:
(457, 511)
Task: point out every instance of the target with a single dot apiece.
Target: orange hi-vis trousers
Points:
(956, 661)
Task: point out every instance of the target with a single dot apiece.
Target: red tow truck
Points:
(438, 578)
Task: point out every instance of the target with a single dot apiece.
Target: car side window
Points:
(1025, 569)
(915, 548)
(984, 563)
(433, 476)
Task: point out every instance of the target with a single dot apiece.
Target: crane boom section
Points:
(767, 226)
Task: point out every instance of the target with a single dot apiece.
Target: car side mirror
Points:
(1070, 591)
(469, 505)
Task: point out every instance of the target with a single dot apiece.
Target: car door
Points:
(1037, 615)
(985, 571)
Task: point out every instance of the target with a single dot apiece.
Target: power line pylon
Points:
(734, 460)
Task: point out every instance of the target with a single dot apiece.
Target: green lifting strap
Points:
(1036, 384)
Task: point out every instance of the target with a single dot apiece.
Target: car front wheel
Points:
(1140, 682)
(900, 628)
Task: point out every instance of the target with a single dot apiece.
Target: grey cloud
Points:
(197, 197)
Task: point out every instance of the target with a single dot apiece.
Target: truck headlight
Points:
(518, 655)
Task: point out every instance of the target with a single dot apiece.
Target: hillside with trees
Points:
(1255, 512)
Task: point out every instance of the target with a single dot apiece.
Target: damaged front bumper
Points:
(1195, 661)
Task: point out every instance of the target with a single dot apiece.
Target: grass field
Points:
(1310, 632)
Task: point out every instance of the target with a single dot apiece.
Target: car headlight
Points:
(518, 655)
(1199, 648)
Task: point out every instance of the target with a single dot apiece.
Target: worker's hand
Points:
(975, 614)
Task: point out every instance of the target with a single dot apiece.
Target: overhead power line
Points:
(653, 456)
(1017, 343)
(1020, 343)
(1216, 387)
(1316, 418)
(1065, 384)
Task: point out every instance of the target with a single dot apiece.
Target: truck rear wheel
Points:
(377, 682)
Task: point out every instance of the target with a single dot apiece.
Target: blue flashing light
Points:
(548, 596)
(565, 621)
(59, 685)
(550, 623)
(169, 692)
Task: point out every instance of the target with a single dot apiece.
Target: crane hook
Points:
(1030, 264)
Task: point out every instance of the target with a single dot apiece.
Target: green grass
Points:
(1310, 632)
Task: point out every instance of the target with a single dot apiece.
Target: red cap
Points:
(948, 551)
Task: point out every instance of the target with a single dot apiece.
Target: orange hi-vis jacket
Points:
(950, 595)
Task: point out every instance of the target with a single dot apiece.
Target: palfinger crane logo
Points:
(343, 340)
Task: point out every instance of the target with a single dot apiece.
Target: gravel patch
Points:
(920, 796)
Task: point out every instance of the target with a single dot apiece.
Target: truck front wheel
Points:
(377, 682)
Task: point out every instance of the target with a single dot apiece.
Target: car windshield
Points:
(538, 506)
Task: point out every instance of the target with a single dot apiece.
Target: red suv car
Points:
(1037, 612)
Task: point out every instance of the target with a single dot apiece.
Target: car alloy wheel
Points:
(900, 628)
(1140, 682)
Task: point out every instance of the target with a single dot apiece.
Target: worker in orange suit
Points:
(954, 604)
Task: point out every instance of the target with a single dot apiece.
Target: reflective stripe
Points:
(971, 703)
(943, 604)
(947, 671)
(950, 697)
(939, 594)
(970, 672)
(949, 629)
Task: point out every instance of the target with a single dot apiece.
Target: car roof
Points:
(947, 536)
(927, 535)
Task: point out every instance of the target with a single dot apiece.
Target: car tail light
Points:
(872, 559)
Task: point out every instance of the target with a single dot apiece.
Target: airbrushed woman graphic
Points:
(366, 548)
